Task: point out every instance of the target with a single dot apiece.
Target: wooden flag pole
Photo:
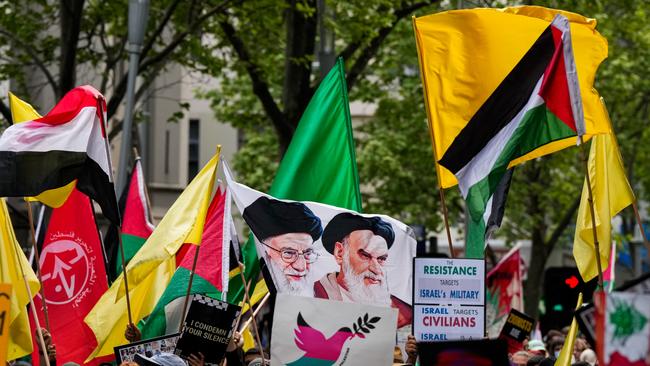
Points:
(241, 314)
(593, 217)
(259, 307)
(443, 205)
(100, 104)
(39, 332)
(189, 288)
(37, 258)
(126, 282)
(255, 327)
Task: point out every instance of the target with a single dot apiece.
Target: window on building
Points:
(193, 150)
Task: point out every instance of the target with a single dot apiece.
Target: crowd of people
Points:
(534, 352)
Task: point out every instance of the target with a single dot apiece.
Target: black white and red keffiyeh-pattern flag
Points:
(52, 151)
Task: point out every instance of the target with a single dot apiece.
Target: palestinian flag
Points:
(52, 151)
(537, 103)
(137, 224)
(210, 277)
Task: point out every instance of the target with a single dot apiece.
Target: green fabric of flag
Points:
(320, 164)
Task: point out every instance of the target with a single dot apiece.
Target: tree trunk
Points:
(538, 256)
(71, 13)
(533, 285)
(296, 90)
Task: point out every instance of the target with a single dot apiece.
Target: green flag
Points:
(320, 164)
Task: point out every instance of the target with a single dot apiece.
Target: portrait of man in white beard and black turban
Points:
(286, 232)
(360, 247)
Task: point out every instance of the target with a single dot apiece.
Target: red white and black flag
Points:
(52, 151)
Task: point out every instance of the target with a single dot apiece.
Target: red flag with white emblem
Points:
(74, 277)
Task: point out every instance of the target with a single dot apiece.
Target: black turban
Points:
(268, 217)
(345, 223)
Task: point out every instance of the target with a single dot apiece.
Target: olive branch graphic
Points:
(363, 326)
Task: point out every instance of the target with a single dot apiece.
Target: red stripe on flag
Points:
(555, 87)
(208, 265)
(71, 104)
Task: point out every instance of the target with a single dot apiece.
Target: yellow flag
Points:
(564, 359)
(22, 111)
(249, 340)
(12, 265)
(258, 294)
(152, 267)
(611, 193)
(465, 54)
(5, 313)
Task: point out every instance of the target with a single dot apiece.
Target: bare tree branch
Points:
(6, 113)
(161, 26)
(567, 218)
(260, 86)
(120, 89)
(26, 47)
(370, 50)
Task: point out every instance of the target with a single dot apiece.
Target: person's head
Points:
(578, 346)
(551, 335)
(520, 358)
(360, 246)
(252, 357)
(535, 360)
(536, 347)
(287, 231)
(162, 359)
(588, 356)
(555, 346)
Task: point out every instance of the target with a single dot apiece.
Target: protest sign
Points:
(308, 331)
(147, 347)
(516, 328)
(5, 319)
(449, 281)
(316, 250)
(475, 352)
(448, 299)
(207, 328)
(627, 329)
(447, 322)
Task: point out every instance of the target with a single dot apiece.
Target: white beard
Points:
(358, 290)
(304, 287)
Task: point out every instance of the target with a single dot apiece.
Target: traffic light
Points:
(561, 288)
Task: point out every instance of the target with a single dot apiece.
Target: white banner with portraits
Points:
(316, 250)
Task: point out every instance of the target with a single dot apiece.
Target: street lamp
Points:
(138, 14)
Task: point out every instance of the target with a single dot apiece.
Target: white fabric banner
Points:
(316, 250)
(315, 332)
